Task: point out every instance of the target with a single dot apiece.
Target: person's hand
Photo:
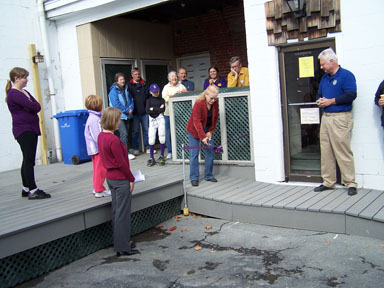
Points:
(325, 102)
(381, 102)
(209, 135)
(211, 81)
(235, 73)
(162, 106)
(151, 108)
(130, 112)
(205, 141)
(132, 185)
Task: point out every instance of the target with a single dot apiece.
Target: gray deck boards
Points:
(290, 205)
(72, 206)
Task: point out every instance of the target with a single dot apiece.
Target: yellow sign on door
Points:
(306, 68)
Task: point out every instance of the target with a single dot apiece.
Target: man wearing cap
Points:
(337, 91)
(155, 108)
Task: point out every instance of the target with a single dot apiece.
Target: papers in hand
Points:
(139, 177)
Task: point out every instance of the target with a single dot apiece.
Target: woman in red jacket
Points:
(200, 127)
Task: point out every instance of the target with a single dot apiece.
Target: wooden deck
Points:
(72, 208)
(290, 206)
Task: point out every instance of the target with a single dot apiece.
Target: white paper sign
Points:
(139, 177)
(310, 115)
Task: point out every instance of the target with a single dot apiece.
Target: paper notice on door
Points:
(310, 115)
(306, 68)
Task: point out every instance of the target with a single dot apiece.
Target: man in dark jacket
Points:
(379, 100)
(140, 93)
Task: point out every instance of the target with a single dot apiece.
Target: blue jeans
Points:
(124, 131)
(168, 133)
(137, 119)
(194, 159)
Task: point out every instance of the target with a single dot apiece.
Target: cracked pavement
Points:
(230, 254)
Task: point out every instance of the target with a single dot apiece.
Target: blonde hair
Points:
(94, 102)
(210, 89)
(109, 118)
(15, 72)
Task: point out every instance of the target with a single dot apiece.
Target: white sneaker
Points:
(169, 156)
(131, 156)
(149, 151)
(105, 193)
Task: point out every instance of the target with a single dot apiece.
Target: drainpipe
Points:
(51, 88)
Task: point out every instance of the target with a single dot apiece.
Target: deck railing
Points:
(233, 131)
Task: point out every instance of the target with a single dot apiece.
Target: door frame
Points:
(297, 46)
(117, 61)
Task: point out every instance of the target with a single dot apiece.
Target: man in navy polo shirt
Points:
(336, 93)
(182, 75)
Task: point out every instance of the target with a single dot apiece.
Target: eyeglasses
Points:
(213, 99)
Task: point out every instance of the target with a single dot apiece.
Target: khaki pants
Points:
(335, 133)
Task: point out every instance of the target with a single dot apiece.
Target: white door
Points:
(197, 69)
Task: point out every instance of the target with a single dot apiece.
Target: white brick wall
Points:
(360, 49)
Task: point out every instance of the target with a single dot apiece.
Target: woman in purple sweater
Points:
(25, 128)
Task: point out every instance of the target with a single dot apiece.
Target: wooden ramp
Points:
(29, 223)
(290, 206)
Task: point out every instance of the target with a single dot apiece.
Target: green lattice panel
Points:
(29, 264)
(236, 113)
(216, 142)
(182, 112)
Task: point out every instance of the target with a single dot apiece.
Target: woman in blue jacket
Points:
(120, 98)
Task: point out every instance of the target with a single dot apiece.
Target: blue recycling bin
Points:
(71, 126)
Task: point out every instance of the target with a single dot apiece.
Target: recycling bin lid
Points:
(71, 113)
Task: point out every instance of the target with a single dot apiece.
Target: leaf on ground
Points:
(184, 230)
(208, 227)
(172, 228)
(159, 226)
(63, 180)
(212, 251)
(54, 182)
(177, 217)
(328, 241)
(197, 216)
(197, 247)
(382, 244)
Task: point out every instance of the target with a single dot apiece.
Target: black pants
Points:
(28, 144)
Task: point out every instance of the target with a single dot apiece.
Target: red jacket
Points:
(198, 120)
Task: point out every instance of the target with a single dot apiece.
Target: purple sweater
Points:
(92, 131)
(24, 112)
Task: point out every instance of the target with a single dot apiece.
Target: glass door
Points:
(109, 67)
(300, 75)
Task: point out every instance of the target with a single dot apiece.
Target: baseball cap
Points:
(154, 88)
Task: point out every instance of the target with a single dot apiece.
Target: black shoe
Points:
(321, 188)
(133, 244)
(151, 162)
(211, 180)
(24, 193)
(195, 183)
(161, 160)
(128, 253)
(352, 191)
(39, 194)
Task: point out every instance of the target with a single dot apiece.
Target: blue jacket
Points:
(117, 100)
(92, 131)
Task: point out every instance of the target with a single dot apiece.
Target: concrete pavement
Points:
(207, 252)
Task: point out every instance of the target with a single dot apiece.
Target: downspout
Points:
(51, 88)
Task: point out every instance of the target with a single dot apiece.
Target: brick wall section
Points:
(220, 32)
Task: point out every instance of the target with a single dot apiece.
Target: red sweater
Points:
(198, 120)
(114, 156)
